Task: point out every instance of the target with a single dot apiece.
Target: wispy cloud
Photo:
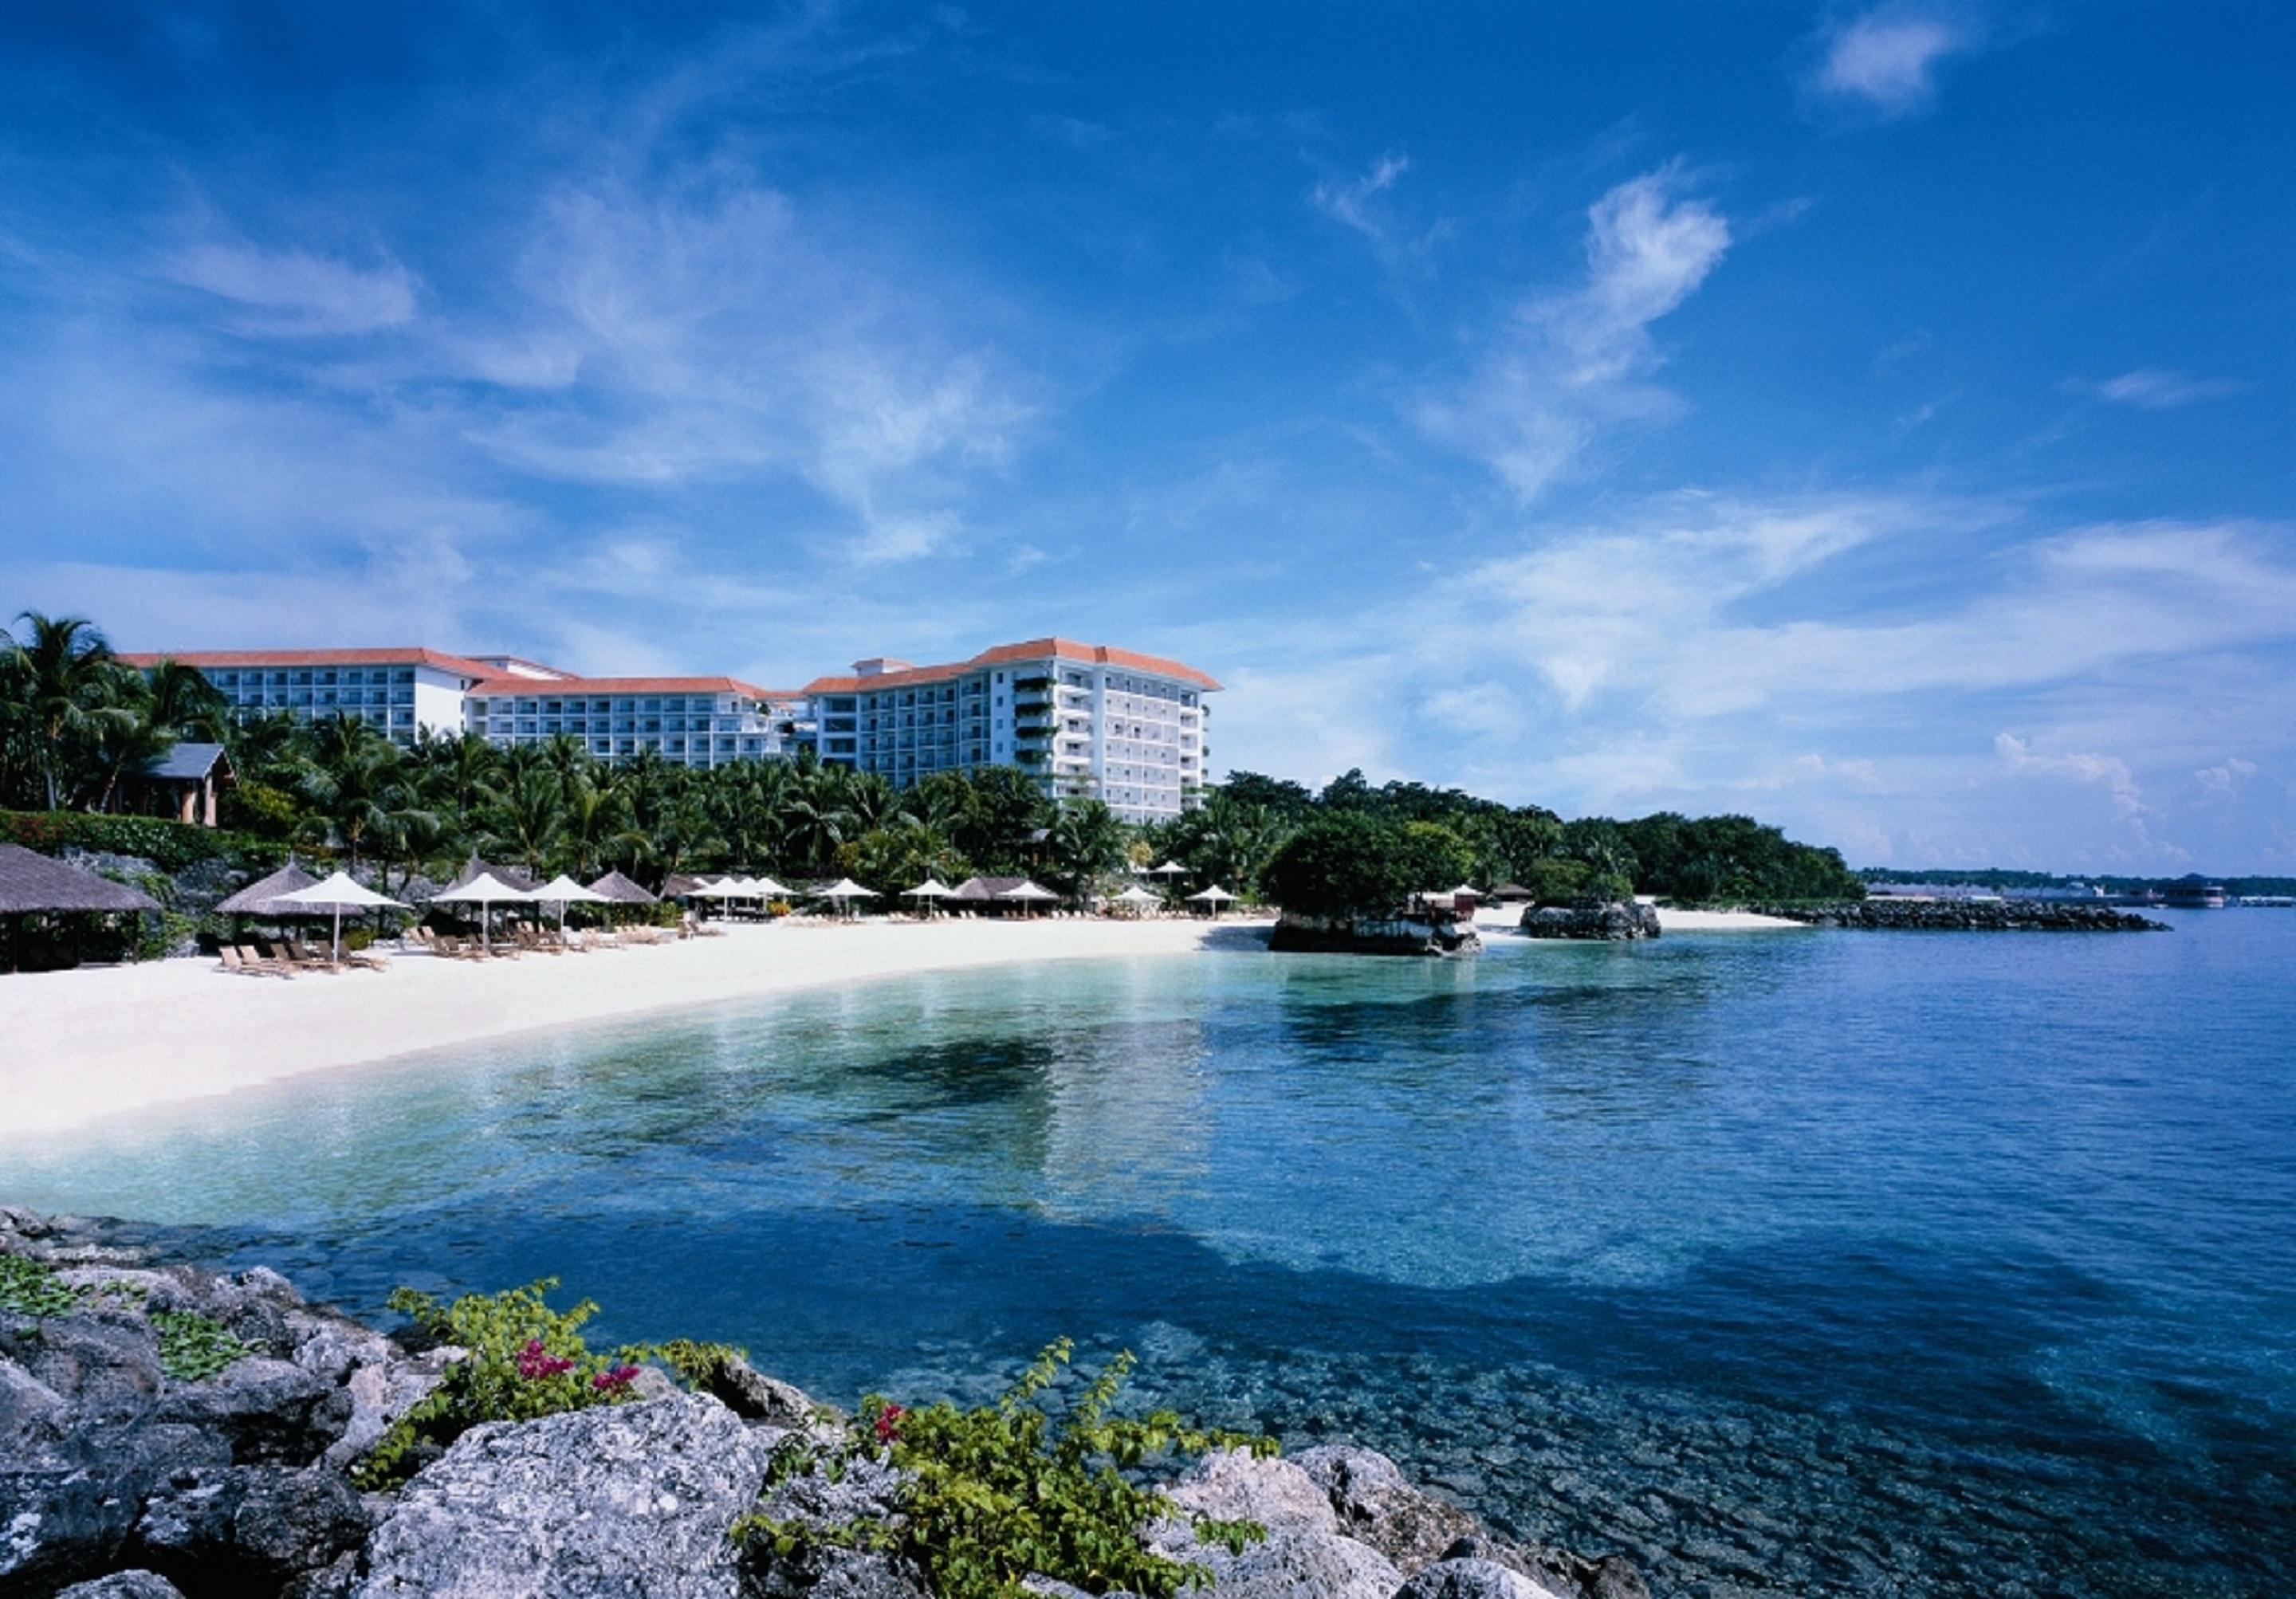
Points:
(1884, 62)
(2155, 391)
(1350, 201)
(295, 292)
(2109, 772)
(1567, 366)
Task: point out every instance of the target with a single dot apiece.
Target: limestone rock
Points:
(67, 1508)
(1233, 1485)
(618, 1502)
(269, 1411)
(1471, 1579)
(1611, 1577)
(1615, 920)
(102, 1362)
(1305, 1556)
(123, 1585)
(1376, 1505)
(754, 1397)
(248, 1529)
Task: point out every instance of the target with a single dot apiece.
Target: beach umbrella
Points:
(563, 891)
(724, 888)
(486, 891)
(1137, 897)
(929, 890)
(1168, 869)
(1028, 893)
(766, 888)
(844, 891)
(338, 893)
(256, 898)
(1215, 896)
(621, 891)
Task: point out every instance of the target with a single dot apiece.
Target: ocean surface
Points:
(1810, 1263)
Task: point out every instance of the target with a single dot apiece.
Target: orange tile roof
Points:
(312, 658)
(1035, 649)
(499, 688)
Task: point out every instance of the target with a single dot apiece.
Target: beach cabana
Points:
(617, 890)
(187, 780)
(260, 898)
(486, 891)
(32, 884)
(508, 876)
(340, 892)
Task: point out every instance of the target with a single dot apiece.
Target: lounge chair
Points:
(248, 963)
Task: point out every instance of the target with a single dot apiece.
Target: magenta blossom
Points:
(889, 1424)
(534, 1362)
(620, 1377)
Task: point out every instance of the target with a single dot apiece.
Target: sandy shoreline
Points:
(78, 1046)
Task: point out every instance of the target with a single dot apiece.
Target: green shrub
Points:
(171, 846)
(996, 1494)
(525, 1360)
(193, 1347)
(30, 1287)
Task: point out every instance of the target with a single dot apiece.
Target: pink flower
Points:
(620, 1376)
(534, 1362)
(889, 1424)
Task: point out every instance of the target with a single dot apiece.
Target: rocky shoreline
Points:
(1963, 915)
(164, 1431)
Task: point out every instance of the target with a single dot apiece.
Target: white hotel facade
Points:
(1084, 719)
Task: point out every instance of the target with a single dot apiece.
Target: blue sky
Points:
(1878, 419)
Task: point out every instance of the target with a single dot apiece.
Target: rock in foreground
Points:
(1609, 920)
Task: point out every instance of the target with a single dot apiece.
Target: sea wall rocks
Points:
(1613, 920)
(1299, 934)
(1963, 915)
(120, 1480)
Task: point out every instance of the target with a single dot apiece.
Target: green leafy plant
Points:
(193, 1347)
(695, 1365)
(30, 1287)
(995, 1494)
(523, 1360)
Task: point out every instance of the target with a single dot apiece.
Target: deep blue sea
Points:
(1811, 1263)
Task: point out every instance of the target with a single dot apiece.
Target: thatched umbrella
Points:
(262, 897)
(621, 891)
(32, 884)
(474, 868)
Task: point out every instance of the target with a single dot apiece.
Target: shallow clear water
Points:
(1811, 1263)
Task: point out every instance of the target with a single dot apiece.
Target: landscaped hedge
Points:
(171, 846)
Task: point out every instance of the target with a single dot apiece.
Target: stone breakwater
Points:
(1964, 915)
(119, 1480)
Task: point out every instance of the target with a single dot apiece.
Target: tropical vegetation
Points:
(77, 723)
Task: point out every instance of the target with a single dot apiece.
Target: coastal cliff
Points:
(1963, 915)
(169, 1433)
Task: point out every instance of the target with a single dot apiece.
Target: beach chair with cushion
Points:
(260, 965)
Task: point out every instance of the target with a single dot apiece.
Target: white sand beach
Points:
(77, 1046)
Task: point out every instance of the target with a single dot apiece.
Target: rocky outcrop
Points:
(1609, 921)
(601, 1503)
(1963, 915)
(118, 1480)
(1299, 934)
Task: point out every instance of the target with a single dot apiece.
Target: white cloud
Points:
(2155, 391)
(1569, 365)
(2108, 770)
(2226, 776)
(293, 293)
(1351, 202)
(1885, 61)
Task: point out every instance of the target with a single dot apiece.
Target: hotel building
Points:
(1085, 719)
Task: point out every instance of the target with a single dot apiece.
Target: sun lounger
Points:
(248, 963)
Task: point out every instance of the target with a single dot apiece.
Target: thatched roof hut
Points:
(677, 885)
(31, 882)
(509, 876)
(620, 890)
(256, 899)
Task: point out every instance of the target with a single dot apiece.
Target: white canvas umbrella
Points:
(844, 891)
(766, 888)
(563, 891)
(1215, 896)
(929, 890)
(1135, 895)
(1168, 869)
(338, 893)
(486, 891)
(1027, 892)
(724, 888)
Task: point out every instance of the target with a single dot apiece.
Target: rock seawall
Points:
(122, 1477)
(1297, 934)
(1964, 915)
(1614, 921)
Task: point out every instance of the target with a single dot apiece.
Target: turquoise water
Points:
(1813, 1263)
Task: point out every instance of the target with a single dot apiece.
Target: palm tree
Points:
(355, 781)
(1086, 842)
(526, 819)
(63, 666)
(186, 704)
